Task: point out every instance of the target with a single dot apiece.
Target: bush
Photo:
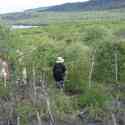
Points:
(23, 110)
(61, 104)
(94, 36)
(95, 96)
(4, 91)
(77, 62)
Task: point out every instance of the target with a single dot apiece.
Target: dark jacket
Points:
(59, 71)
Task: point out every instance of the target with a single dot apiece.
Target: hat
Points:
(59, 60)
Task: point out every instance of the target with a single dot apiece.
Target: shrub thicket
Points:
(81, 47)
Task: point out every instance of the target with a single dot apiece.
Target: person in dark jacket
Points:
(59, 70)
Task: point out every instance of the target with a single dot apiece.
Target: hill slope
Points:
(69, 12)
(87, 6)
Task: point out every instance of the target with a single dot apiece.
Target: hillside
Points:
(83, 6)
(90, 5)
(69, 12)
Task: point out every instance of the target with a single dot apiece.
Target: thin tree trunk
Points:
(114, 119)
(34, 84)
(8, 122)
(38, 118)
(92, 68)
(18, 120)
(4, 73)
(52, 122)
(90, 74)
(116, 66)
(44, 78)
(5, 82)
(24, 73)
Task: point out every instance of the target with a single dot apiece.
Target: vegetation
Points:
(94, 57)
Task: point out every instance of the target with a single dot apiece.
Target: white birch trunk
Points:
(91, 68)
(5, 82)
(18, 120)
(24, 74)
(90, 74)
(34, 84)
(116, 66)
(4, 73)
(39, 119)
(8, 122)
(52, 122)
(50, 112)
(114, 119)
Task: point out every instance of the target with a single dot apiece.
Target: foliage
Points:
(4, 91)
(4, 39)
(39, 47)
(97, 35)
(62, 104)
(96, 96)
(23, 111)
(105, 57)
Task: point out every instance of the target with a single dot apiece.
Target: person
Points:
(59, 70)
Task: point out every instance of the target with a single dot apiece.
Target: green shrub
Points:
(94, 35)
(23, 110)
(77, 63)
(4, 91)
(62, 104)
(96, 96)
